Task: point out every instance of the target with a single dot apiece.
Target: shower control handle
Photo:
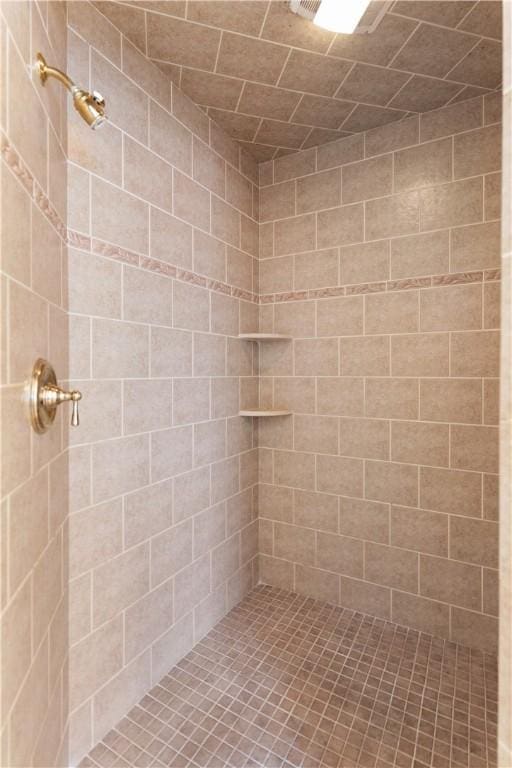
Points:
(52, 396)
(44, 395)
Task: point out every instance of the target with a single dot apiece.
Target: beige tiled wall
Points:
(33, 471)
(162, 277)
(505, 602)
(380, 256)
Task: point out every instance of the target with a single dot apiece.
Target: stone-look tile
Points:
(364, 438)
(475, 353)
(267, 101)
(419, 530)
(315, 582)
(191, 585)
(294, 543)
(480, 630)
(129, 227)
(225, 222)
(365, 262)
(191, 309)
(136, 527)
(171, 352)
(340, 475)
(15, 229)
(95, 660)
(474, 448)
(454, 118)
(451, 400)
(475, 247)
(28, 318)
(277, 201)
(312, 73)
(170, 239)
(392, 216)
(419, 613)
(454, 308)
(391, 566)
(89, 23)
(492, 196)
(84, 551)
(275, 502)
(191, 201)
(296, 234)
(365, 356)
(340, 226)
(450, 581)
(450, 490)
(239, 55)
(318, 191)
(474, 541)
(477, 152)
(340, 554)
(119, 349)
(318, 510)
(367, 179)
(120, 581)
(276, 275)
(394, 398)
(147, 619)
(425, 93)
(340, 152)
(420, 443)
(341, 396)
(315, 270)
(169, 139)
(396, 483)
(387, 138)
(147, 297)
(156, 186)
(295, 470)
(318, 357)
(451, 205)
(170, 552)
(422, 166)
(492, 305)
(86, 271)
(119, 466)
(340, 317)
(364, 519)
(109, 79)
(433, 51)
(147, 405)
(418, 255)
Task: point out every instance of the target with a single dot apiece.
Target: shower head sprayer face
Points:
(90, 106)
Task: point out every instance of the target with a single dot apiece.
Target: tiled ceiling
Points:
(277, 83)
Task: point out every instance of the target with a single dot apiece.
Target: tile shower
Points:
(185, 586)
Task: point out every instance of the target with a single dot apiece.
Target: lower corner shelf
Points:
(258, 413)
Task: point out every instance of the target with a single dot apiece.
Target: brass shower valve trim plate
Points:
(44, 395)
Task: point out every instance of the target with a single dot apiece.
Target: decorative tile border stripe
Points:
(111, 251)
(412, 283)
(18, 167)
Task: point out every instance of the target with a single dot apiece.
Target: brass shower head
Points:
(90, 106)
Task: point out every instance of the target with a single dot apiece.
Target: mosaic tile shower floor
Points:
(287, 681)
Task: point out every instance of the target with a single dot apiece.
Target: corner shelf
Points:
(258, 413)
(264, 337)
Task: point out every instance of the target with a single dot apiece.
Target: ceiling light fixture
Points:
(358, 17)
(341, 16)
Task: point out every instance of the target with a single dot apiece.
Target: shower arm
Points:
(45, 72)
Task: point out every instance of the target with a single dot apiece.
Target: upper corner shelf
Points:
(261, 412)
(264, 337)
